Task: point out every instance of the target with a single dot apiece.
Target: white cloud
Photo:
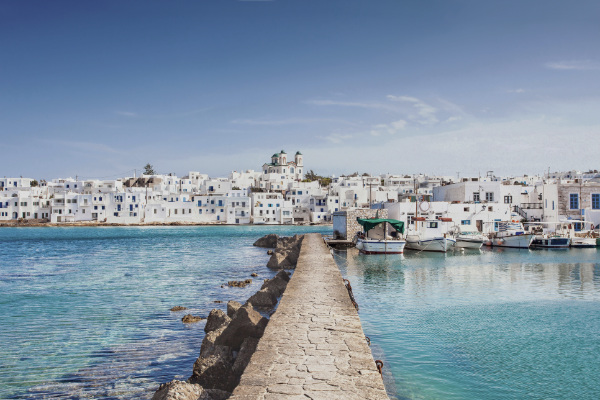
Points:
(515, 90)
(576, 65)
(389, 129)
(426, 114)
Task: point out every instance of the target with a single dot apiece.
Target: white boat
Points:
(565, 230)
(464, 241)
(380, 236)
(428, 236)
(583, 242)
(511, 234)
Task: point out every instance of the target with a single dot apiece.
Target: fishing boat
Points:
(550, 242)
(428, 235)
(583, 238)
(510, 234)
(380, 236)
(563, 235)
(469, 240)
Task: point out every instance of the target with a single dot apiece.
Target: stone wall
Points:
(353, 227)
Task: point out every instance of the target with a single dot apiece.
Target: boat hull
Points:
(515, 242)
(439, 244)
(373, 246)
(468, 243)
(551, 243)
(583, 243)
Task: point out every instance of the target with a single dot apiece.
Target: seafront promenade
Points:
(313, 346)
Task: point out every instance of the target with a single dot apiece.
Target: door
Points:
(479, 224)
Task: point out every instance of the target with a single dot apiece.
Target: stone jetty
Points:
(313, 346)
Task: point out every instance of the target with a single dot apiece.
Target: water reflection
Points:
(493, 324)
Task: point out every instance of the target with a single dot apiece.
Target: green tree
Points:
(311, 176)
(34, 183)
(149, 169)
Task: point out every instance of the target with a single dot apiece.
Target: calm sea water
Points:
(84, 312)
(489, 324)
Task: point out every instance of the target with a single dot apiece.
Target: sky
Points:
(99, 89)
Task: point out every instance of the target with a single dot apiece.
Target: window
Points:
(577, 226)
(595, 201)
(553, 204)
(475, 196)
(574, 201)
(507, 199)
(489, 196)
(466, 209)
(465, 222)
(432, 224)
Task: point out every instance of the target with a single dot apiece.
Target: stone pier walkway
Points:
(314, 346)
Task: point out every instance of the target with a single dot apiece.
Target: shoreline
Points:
(105, 224)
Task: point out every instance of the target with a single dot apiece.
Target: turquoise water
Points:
(490, 324)
(84, 312)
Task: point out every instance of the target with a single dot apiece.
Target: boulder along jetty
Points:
(313, 346)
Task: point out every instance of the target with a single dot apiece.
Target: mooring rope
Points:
(349, 287)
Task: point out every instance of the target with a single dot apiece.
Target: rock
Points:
(286, 254)
(232, 307)
(267, 241)
(208, 347)
(178, 390)
(263, 298)
(215, 320)
(239, 283)
(189, 318)
(178, 308)
(254, 274)
(276, 286)
(269, 252)
(283, 275)
(247, 322)
(216, 394)
(218, 301)
(243, 358)
(215, 371)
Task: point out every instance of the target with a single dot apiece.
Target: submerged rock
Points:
(254, 274)
(178, 308)
(239, 283)
(215, 320)
(232, 307)
(267, 241)
(189, 318)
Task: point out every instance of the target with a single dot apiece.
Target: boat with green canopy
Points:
(380, 236)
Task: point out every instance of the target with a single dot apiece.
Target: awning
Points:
(369, 224)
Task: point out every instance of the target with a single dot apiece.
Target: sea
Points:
(84, 312)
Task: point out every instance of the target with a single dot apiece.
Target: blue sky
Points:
(96, 89)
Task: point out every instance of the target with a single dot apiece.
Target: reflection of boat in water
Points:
(428, 236)
(380, 236)
(510, 234)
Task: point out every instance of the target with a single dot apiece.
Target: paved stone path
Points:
(314, 346)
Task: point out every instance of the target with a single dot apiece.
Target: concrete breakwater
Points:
(313, 346)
